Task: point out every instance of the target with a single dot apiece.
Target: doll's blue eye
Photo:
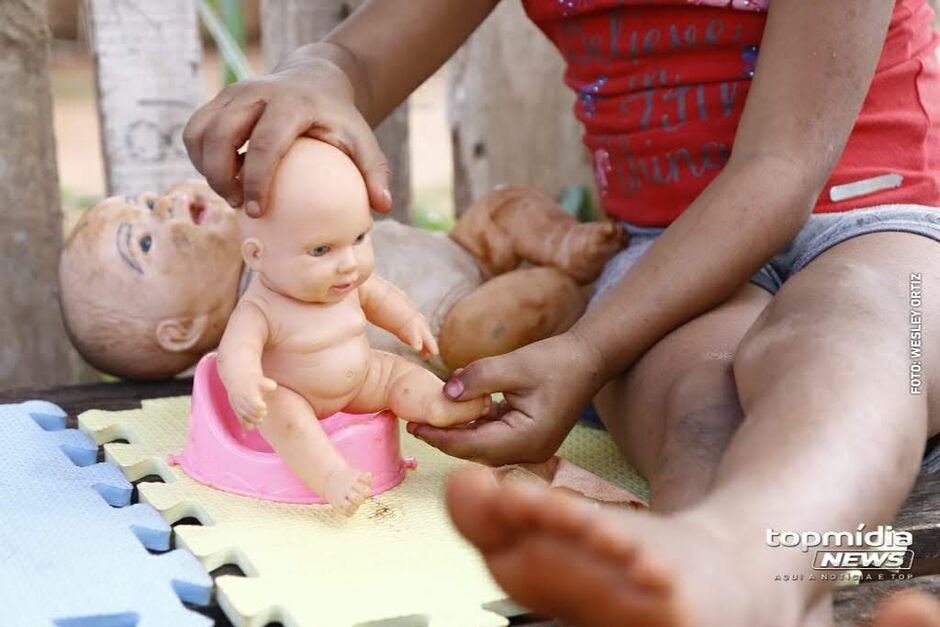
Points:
(145, 243)
(319, 251)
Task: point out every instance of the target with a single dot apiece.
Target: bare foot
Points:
(347, 488)
(444, 412)
(908, 609)
(585, 249)
(593, 567)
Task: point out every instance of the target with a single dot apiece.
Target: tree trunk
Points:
(147, 60)
(288, 24)
(510, 113)
(34, 349)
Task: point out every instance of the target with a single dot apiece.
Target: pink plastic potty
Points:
(220, 453)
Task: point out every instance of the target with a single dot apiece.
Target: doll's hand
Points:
(247, 398)
(546, 385)
(308, 95)
(417, 334)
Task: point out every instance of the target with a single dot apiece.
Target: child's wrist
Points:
(336, 59)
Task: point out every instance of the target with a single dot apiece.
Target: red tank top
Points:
(661, 85)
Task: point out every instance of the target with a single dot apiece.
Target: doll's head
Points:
(147, 285)
(313, 243)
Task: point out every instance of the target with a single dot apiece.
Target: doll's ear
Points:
(252, 252)
(177, 335)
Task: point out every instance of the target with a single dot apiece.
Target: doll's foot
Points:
(347, 488)
(444, 412)
(563, 557)
(908, 610)
(586, 248)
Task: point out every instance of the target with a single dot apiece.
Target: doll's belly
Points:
(328, 378)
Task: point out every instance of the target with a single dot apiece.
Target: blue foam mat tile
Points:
(68, 557)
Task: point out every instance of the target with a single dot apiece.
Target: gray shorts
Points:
(820, 233)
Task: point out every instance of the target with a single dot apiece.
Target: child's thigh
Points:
(858, 318)
(679, 373)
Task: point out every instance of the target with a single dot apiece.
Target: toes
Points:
(472, 494)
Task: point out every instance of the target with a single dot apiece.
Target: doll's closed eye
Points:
(360, 239)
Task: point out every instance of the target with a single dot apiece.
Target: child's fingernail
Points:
(454, 388)
(387, 195)
(253, 209)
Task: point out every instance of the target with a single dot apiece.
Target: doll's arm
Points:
(240, 363)
(516, 223)
(388, 307)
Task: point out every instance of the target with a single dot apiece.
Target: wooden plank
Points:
(33, 346)
(854, 606)
(147, 60)
(74, 399)
(510, 113)
(921, 516)
(289, 24)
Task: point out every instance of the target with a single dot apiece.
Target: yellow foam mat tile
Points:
(398, 557)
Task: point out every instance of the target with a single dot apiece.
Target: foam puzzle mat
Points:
(73, 552)
(397, 561)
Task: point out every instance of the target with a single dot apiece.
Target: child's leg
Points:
(673, 413)
(413, 393)
(294, 431)
(832, 439)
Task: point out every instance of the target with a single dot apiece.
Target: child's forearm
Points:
(746, 215)
(389, 47)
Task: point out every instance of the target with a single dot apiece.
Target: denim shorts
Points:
(820, 233)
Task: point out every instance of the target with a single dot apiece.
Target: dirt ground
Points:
(81, 168)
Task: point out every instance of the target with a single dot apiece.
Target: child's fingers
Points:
(486, 376)
(283, 121)
(363, 147)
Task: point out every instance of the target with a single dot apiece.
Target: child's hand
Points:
(247, 398)
(417, 334)
(308, 95)
(546, 384)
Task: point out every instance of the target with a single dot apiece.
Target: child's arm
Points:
(816, 62)
(240, 363)
(388, 307)
(334, 90)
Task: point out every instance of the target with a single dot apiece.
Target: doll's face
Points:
(180, 251)
(148, 284)
(323, 259)
(314, 242)
(175, 255)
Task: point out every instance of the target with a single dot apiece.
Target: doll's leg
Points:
(294, 431)
(508, 312)
(412, 393)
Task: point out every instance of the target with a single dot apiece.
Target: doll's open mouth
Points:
(344, 287)
(198, 210)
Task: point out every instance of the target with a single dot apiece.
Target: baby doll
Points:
(148, 284)
(158, 321)
(295, 348)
